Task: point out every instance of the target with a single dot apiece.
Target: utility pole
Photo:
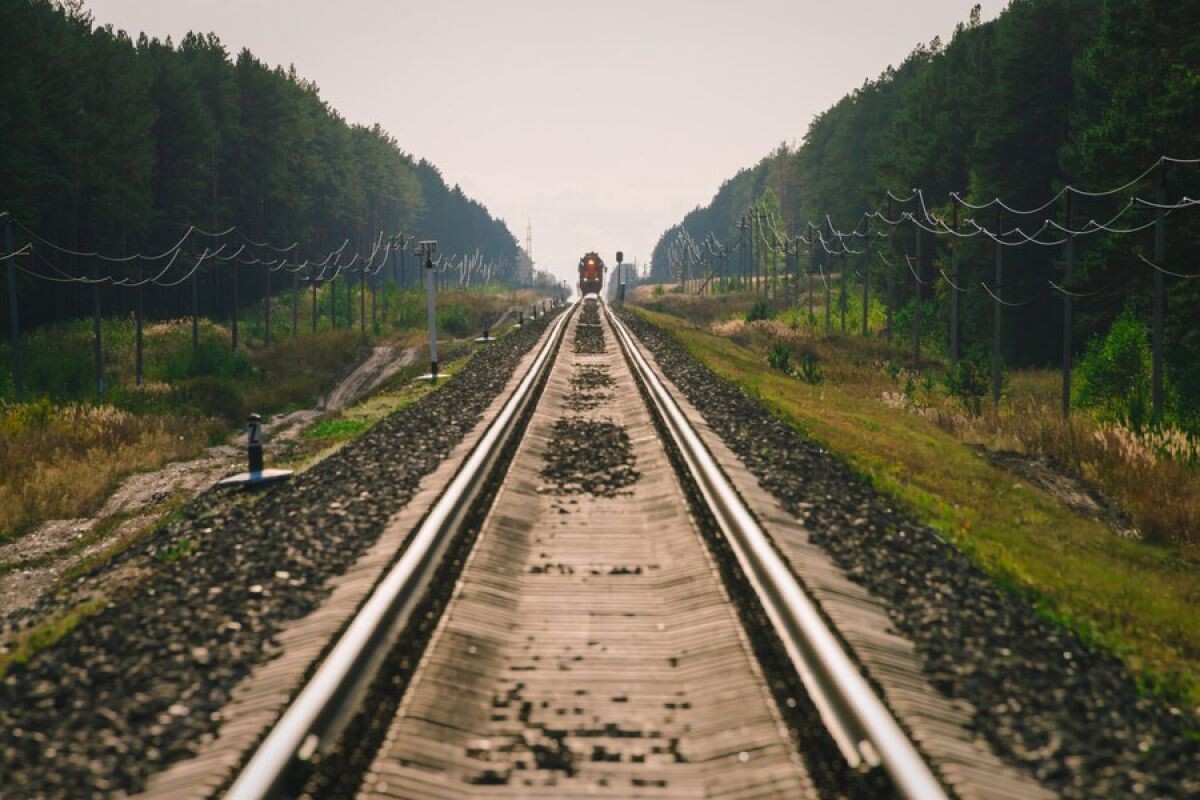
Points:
(812, 256)
(891, 297)
(267, 306)
(137, 357)
(1067, 300)
(997, 330)
(826, 279)
(98, 348)
(1160, 255)
(195, 282)
(753, 255)
(403, 245)
(13, 318)
(428, 248)
(390, 264)
(866, 287)
(295, 298)
(234, 326)
(954, 288)
(842, 291)
(216, 300)
(917, 301)
(741, 224)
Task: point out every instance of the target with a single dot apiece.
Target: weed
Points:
(29, 642)
(779, 357)
(176, 551)
(810, 369)
(759, 311)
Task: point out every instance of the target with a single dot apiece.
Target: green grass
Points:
(1137, 599)
(181, 549)
(24, 645)
(338, 429)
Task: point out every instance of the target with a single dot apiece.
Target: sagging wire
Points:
(1008, 303)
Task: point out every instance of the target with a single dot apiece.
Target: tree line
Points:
(1050, 93)
(117, 144)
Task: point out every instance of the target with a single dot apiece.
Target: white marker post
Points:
(428, 248)
(254, 452)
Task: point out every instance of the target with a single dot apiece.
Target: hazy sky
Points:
(600, 122)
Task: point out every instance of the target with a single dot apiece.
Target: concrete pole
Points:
(1160, 255)
(431, 305)
(14, 321)
(997, 322)
(1067, 309)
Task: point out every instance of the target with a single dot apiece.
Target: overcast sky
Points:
(599, 122)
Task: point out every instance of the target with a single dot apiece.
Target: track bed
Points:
(589, 648)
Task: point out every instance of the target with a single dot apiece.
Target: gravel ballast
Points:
(139, 685)
(1066, 713)
(589, 334)
(589, 456)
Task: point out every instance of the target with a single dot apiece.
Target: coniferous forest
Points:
(116, 145)
(1052, 93)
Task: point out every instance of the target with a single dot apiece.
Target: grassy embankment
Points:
(1136, 596)
(331, 432)
(64, 451)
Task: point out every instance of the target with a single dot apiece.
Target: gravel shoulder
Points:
(137, 685)
(1066, 713)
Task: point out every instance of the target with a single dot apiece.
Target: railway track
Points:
(594, 642)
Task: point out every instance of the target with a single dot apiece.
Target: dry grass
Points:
(1153, 477)
(59, 462)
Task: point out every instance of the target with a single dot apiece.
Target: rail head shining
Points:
(326, 703)
(865, 731)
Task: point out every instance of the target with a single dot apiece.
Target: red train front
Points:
(591, 274)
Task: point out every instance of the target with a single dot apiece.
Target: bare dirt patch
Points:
(1074, 492)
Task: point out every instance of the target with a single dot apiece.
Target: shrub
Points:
(454, 320)
(810, 368)
(209, 358)
(759, 311)
(67, 372)
(209, 396)
(659, 291)
(968, 383)
(1115, 373)
(779, 356)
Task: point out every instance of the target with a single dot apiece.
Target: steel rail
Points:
(857, 720)
(330, 698)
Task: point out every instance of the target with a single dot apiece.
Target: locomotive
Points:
(591, 274)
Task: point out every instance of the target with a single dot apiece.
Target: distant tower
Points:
(525, 258)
